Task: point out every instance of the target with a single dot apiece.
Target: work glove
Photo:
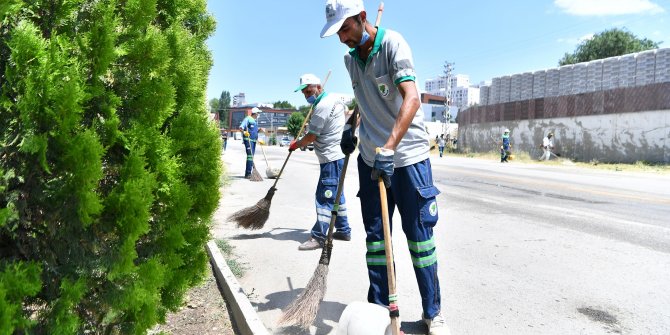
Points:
(383, 166)
(349, 140)
(261, 142)
(293, 145)
(246, 133)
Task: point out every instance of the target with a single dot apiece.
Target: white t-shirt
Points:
(327, 123)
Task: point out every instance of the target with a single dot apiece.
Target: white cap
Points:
(506, 130)
(307, 79)
(337, 11)
(256, 110)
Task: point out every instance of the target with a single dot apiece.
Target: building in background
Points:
(463, 93)
(239, 100)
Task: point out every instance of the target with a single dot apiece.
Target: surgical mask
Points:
(311, 99)
(365, 36)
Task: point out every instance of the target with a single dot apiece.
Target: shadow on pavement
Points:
(284, 234)
(413, 327)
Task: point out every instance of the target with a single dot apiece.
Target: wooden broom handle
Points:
(379, 14)
(388, 249)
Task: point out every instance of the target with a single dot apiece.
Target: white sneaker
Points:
(437, 326)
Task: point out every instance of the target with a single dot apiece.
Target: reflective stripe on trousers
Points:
(250, 148)
(413, 193)
(324, 200)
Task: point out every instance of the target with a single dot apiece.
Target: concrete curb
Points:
(244, 314)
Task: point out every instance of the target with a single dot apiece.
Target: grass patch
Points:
(524, 157)
(237, 267)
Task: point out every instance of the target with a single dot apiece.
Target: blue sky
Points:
(262, 47)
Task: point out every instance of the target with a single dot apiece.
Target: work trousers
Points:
(412, 191)
(324, 199)
(250, 147)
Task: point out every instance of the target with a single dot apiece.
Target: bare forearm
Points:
(305, 140)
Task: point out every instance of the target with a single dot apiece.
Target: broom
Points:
(394, 312)
(303, 310)
(254, 217)
(255, 175)
(269, 171)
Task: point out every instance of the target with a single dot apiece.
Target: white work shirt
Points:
(327, 123)
(375, 84)
(547, 142)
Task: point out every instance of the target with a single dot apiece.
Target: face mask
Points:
(364, 38)
(311, 99)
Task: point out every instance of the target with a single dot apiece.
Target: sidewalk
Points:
(277, 271)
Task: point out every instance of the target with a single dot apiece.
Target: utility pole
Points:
(448, 71)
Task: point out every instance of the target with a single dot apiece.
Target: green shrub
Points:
(109, 167)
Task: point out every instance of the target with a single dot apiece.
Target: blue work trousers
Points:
(326, 190)
(250, 147)
(412, 191)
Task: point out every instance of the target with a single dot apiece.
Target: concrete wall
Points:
(621, 137)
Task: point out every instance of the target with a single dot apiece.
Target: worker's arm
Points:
(410, 105)
(307, 139)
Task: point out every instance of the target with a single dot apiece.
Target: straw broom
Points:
(254, 217)
(303, 310)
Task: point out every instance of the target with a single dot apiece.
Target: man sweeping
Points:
(384, 82)
(249, 128)
(325, 131)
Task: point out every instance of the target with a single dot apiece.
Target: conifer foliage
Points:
(109, 167)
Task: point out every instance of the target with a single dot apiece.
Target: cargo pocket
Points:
(329, 188)
(428, 205)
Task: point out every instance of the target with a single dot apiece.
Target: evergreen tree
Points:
(283, 105)
(304, 110)
(214, 105)
(224, 107)
(609, 43)
(109, 166)
(294, 123)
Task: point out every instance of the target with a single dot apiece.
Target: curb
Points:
(245, 316)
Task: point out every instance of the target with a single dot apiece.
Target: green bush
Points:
(109, 167)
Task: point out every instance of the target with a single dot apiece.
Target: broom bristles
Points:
(255, 175)
(254, 217)
(302, 311)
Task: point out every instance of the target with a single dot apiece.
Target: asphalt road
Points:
(522, 248)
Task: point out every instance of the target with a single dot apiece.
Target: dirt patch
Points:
(204, 313)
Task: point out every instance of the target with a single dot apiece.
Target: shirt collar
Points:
(375, 49)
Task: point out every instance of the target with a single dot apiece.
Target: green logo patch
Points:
(383, 90)
(433, 208)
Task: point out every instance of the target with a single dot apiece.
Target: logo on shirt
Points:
(383, 90)
(433, 208)
(328, 194)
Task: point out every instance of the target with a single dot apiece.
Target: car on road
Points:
(285, 142)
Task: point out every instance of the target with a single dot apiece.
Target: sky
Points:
(261, 48)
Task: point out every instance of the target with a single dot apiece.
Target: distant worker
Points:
(224, 138)
(441, 143)
(249, 128)
(325, 130)
(547, 146)
(505, 148)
